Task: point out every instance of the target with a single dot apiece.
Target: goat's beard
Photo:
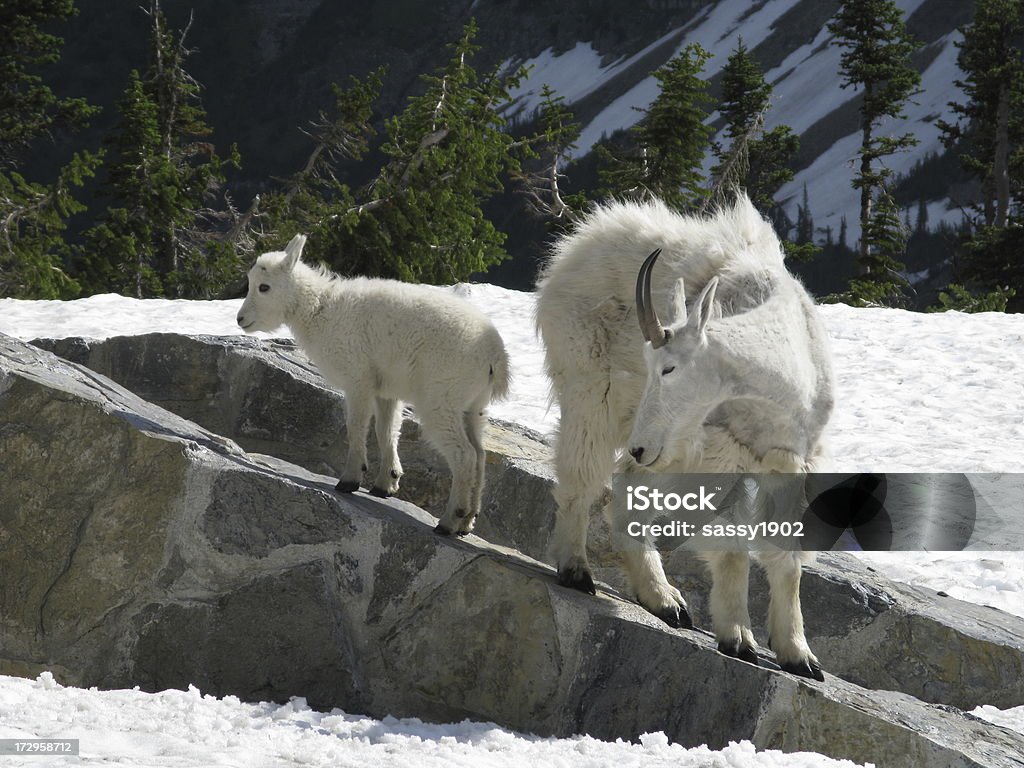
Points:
(685, 453)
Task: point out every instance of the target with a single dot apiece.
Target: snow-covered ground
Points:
(915, 393)
(185, 728)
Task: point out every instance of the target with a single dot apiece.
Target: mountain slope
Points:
(267, 66)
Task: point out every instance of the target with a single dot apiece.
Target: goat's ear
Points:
(293, 251)
(679, 302)
(705, 302)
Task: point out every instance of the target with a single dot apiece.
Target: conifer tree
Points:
(160, 236)
(804, 221)
(990, 133)
(552, 145)
(667, 146)
(989, 138)
(34, 214)
(420, 218)
(876, 60)
(759, 158)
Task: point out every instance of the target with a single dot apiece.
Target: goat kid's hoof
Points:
(347, 486)
(442, 529)
(380, 493)
(676, 616)
(806, 668)
(738, 650)
(577, 578)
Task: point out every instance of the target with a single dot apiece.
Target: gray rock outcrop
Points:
(268, 398)
(139, 548)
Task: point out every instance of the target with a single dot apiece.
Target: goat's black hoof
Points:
(577, 578)
(739, 650)
(809, 669)
(462, 534)
(442, 529)
(676, 616)
(347, 486)
(380, 493)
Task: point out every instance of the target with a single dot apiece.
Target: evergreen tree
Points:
(876, 60)
(420, 217)
(957, 298)
(921, 227)
(758, 159)
(33, 215)
(886, 239)
(804, 221)
(991, 132)
(989, 138)
(553, 145)
(159, 236)
(668, 144)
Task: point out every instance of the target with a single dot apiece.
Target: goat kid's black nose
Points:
(636, 453)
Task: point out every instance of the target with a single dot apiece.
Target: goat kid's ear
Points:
(293, 251)
(705, 302)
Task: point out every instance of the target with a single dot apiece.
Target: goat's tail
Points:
(500, 375)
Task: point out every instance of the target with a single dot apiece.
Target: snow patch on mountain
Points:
(807, 90)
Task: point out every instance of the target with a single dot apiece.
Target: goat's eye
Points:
(667, 370)
(264, 287)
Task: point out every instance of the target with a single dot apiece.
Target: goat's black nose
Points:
(636, 453)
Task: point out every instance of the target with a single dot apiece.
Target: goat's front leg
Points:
(387, 423)
(785, 618)
(358, 406)
(730, 617)
(644, 569)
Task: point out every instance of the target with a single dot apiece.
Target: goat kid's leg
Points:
(730, 617)
(387, 423)
(447, 432)
(785, 618)
(475, 420)
(358, 406)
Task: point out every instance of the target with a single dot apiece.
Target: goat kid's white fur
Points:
(743, 384)
(383, 342)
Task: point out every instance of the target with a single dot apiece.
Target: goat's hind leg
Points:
(584, 457)
(475, 421)
(387, 423)
(446, 429)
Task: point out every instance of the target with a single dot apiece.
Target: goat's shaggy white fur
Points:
(383, 342)
(744, 384)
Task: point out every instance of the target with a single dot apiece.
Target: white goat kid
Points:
(383, 342)
(742, 383)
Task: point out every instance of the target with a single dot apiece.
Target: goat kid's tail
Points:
(500, 375)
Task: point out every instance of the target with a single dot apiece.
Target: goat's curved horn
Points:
(650, 325)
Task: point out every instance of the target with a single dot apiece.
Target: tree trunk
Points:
(865, 198)
(1001, 161)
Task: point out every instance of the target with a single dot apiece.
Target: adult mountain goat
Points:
(739, 381)
(383, 342)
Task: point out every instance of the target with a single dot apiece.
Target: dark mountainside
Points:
(267, 65)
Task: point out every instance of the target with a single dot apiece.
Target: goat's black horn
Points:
(650, 325)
